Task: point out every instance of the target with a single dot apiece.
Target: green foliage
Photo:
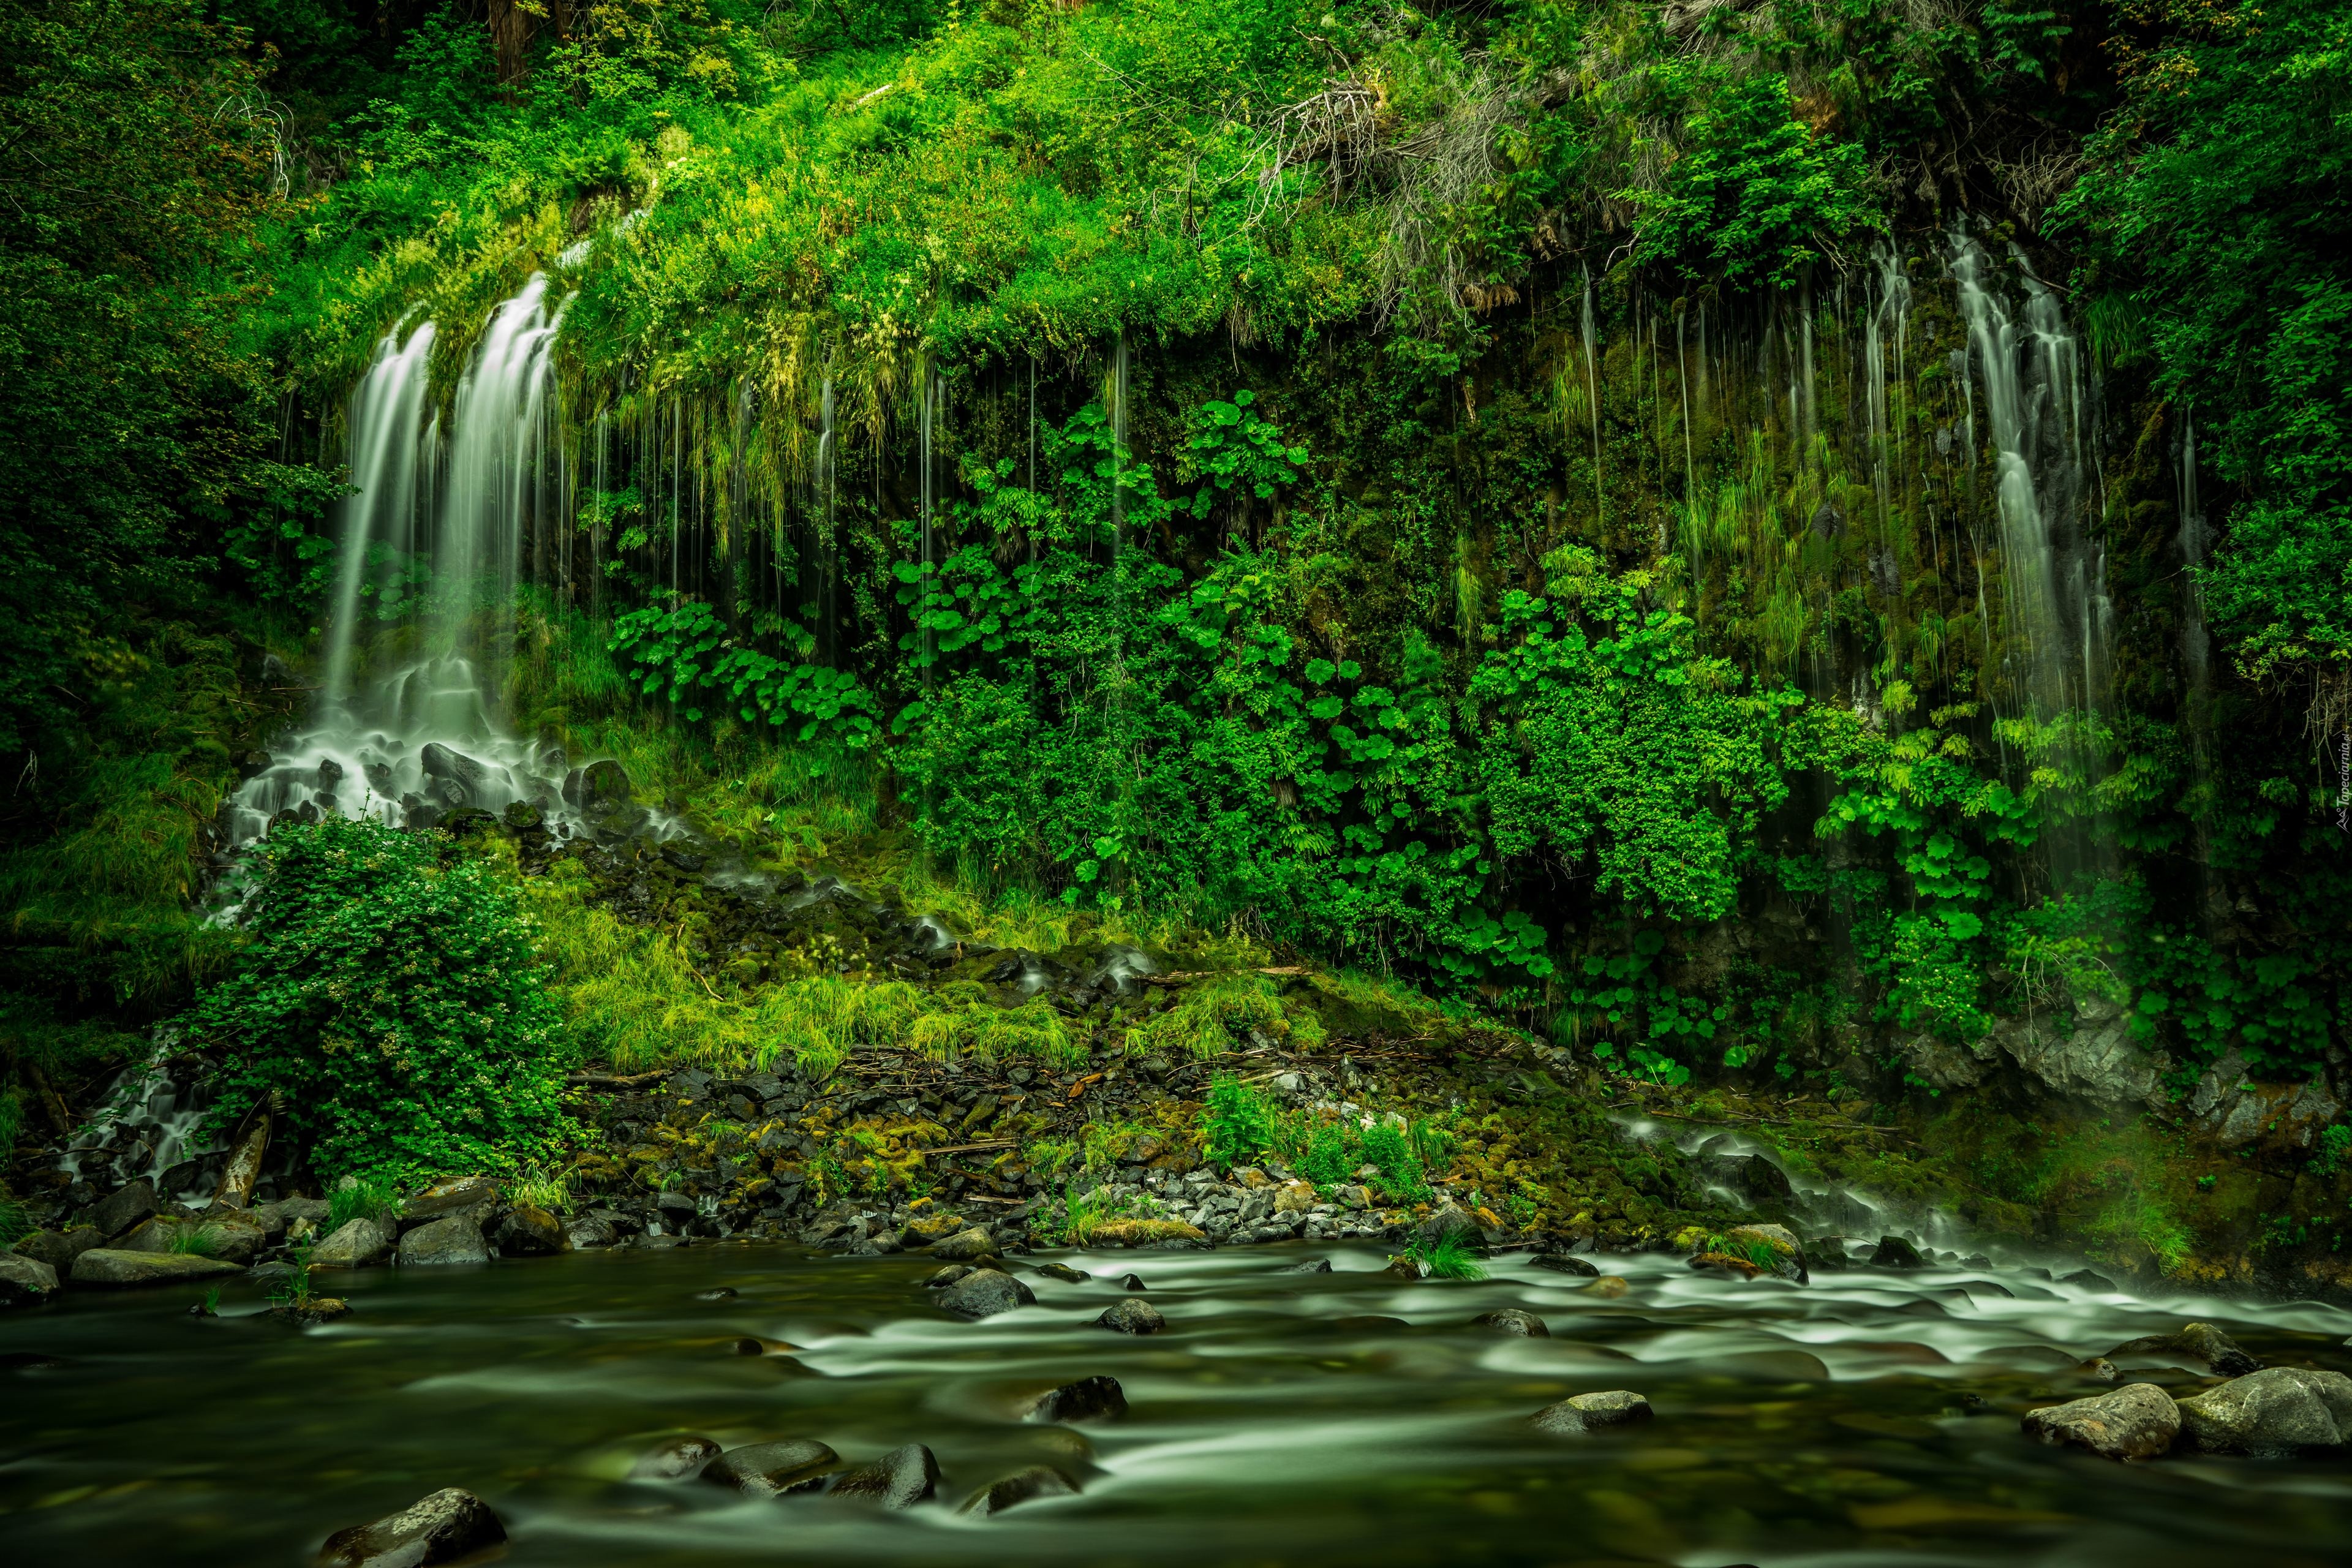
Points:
(1757, 195)
(15, 1223)
(194, 1239)
(360, 1197)
(1446, 1257)
(685, 655)
(393, 1006)
(2335, 1150)
(1237, 1121)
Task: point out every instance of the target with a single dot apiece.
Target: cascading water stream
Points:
(496, 470)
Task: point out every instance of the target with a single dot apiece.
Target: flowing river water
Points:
(1283, 1417)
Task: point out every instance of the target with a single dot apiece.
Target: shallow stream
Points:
(1869, 1418)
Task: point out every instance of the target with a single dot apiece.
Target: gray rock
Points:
(460, 778)
(1133, 1316)
(1015, 1490)
(1312, 1265)
(768, 1470)
(2200, 1341)
(58, 1249)
(355, 1243)
(112, 1266)
(1944, 1066)
(2280, 1410)
(25, 1281)
(898, 1479)
(1133, 1282)
(984, 1292)
(1088, 1399)
(1511, 1320)
(457, 1239)
(119, 1212)
(230, 1238)
(450, 1524)
(943, 1277)
(275, 1218)
(675, 1459)
(1062, 1271)
(963, 1246)
(1591, 1411)
(2137, 1421)
(1566, 1263)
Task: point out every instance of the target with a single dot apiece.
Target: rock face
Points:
(2282, 1410)
(457, 1239)
(1133, 1316)
(2097, 1060)
(899, 1479)
(356, 1243)
(111, 1266)
(1591, 1411)
(1088, 1399)
(2137, 1421)
(2200, 1341)
(1015, 1490)
(529, 1232)
(1511, 1320)
(450, 1524)
(677, 1459)
(984, 1292)
(796, 1464)
(25, 1281)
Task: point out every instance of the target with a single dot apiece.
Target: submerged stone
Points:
(2137, 1421)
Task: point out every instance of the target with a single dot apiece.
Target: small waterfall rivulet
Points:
(422, 740)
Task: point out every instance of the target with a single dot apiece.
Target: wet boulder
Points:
(450, 1524)
(117, 1267)
(963, 1246)
(1088, 1399)
(2281, 1410)
(457, 1239)
(530, 1232)
(1025, 1486)
(1133, 1316)
(1566, 1263)
(2137, 1421)
(1062, 1271)
(1894, 1252)
(985, 1292)
(463, 1194)
(924, 1229)
(675, 1459)
(1312, 1265)
(121, 1211)
(595, 789)
(25, 1281)
(227, 1238)
(355, 1244)
(1592, 1412)
(58, 1249)
(452, 778)
(898, 1479)
(1775, 1247)
(770, 1469)
(591, 1231)
(2199, 1342)
(1511, 1320)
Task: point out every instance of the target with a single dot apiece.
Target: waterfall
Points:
(2028, 368)
(385, 415)
(496, 467)
(422, 741)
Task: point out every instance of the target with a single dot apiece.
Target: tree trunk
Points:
(510, 36)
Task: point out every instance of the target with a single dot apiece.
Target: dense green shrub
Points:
(392, 1002)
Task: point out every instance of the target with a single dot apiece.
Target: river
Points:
(1353, 1417)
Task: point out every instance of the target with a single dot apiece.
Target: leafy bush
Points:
(1236, 1121)
(360, 1197)
(393, 1003)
